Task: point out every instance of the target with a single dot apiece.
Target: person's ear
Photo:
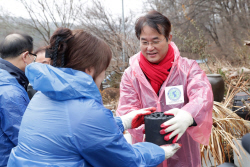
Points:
(24, 56)
(90, 71)
(169, 38)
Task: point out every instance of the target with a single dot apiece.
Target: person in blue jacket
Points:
(16, 54)
(66, 124)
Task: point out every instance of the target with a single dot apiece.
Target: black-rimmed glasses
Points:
(35, 56)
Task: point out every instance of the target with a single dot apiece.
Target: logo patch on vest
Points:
(174, 95)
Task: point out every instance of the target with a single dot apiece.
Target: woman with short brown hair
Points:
(66, 123)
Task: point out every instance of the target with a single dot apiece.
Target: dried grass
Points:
(227, 127)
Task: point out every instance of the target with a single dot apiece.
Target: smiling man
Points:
(159, 77)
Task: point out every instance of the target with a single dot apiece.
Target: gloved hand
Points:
(135, 118)
(170, 149)
(177, 125)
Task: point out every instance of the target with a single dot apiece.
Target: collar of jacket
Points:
(15, 72)
(62, 83)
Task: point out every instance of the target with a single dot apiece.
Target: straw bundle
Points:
(227, 126)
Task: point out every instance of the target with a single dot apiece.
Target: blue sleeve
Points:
(11, 113)
(100, 141)
(118, 121)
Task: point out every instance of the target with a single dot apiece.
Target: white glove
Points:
(135, 118)
(177, 125)
(170, 149)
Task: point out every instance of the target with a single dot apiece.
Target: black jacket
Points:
(15, 72)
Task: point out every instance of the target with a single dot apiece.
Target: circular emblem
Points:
(174, 94)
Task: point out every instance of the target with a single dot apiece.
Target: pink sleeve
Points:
(129, 101)
(200, 104)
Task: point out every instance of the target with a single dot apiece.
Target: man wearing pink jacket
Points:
(159, 77)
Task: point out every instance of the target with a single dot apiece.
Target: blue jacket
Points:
(13, 102)
(66, 124)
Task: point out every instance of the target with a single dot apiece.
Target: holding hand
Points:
(170, 149)
(136, 118)
(177, 125)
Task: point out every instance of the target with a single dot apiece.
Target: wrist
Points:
(190, 119)
(166, 157)
(126, 122)
(194, 123)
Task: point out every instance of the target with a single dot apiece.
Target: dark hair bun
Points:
(58, 46)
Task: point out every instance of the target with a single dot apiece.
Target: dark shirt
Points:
(31, 92)
(15, 72)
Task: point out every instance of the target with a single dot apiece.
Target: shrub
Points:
(110, 95)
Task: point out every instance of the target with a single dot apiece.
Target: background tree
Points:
(200, 27)
(225, 23)
(47, 15)
(107, 26)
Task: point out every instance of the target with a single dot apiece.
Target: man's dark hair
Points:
(14, 44)
(154, 20)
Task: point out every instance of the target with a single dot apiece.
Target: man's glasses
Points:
(153, 43)
(34, 55)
